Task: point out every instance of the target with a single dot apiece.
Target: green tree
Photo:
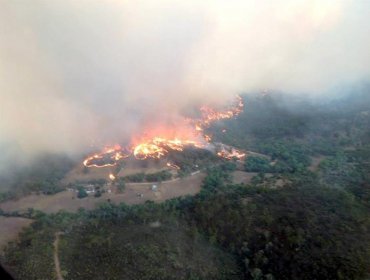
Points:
(121, 185)
(82, 193)
(257, 164)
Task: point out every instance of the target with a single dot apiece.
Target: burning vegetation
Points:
(108, 157)
(159, 144)
(229, 152)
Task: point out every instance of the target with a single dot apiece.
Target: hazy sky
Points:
(78, 72)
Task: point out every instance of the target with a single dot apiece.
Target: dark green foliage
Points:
(121, 184)
(158, 176)
(149, 241)
(257, 164)
(342, 171)
(138, 177)
(294, 233)
(217, 177)
(32, 257)
(81, 193)
(289, 157)
(36, 260)
(299, 232)
(152, 177)
(165, 251)
(192, 159)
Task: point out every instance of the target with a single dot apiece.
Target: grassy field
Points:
(133, 166)
(78, 174)
(68, 201)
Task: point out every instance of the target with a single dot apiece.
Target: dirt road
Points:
(56, 256)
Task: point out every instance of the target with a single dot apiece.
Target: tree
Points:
(82, 193)
(257, 164)
(121, 185)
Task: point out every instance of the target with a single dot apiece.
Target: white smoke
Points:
(76, 73)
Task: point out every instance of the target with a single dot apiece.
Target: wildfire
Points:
(148, 150)
(230, 153)
(210, 115)
(108, 157)
(159, 145)
(172, 165)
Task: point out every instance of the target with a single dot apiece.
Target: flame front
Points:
(148, 150)
(230, 153)
(159, 145)
(108, 157)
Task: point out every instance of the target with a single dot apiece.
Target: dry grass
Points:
(242, 177)
(77, 174)
(68, 201)
(131, 166)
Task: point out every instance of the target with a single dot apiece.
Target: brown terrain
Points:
(316, 162)
(131, 166)
(242, 177)
(134, 193)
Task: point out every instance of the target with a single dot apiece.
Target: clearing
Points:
(134, 193)
(316, 162)
(242, 177)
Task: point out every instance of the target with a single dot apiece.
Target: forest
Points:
(314, 225)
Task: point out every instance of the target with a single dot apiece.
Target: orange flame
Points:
(111, 154)
(230, 153)
(172, 165)
(161, 143)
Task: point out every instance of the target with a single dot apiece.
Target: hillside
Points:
(305, 214)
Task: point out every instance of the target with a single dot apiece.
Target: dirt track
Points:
(56, 256)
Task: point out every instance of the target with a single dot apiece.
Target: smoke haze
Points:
(80, 73)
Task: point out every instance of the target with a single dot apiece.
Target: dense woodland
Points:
(313, 225)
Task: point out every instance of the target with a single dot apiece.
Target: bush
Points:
(82, 193)
(158, 176)
(136, 178)
(257, 164)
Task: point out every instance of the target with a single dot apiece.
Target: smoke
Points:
(80, 73)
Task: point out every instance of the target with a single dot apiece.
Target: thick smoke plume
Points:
(80, 73)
